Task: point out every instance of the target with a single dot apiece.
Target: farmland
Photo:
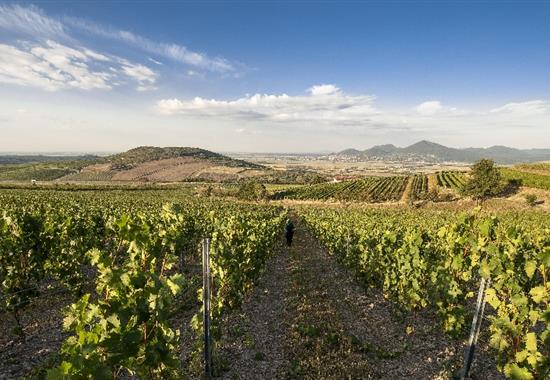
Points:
(114, 262)
(373, 189)
(51, 242)
(450, 180)
(528, 178)
(419, 186)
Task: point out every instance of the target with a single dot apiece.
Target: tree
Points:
(485, 180)
(252, 191)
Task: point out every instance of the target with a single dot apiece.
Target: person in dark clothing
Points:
(289, 232)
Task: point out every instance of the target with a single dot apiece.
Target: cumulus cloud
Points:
(318, 107)
(433, 107)
(328, 108)
(52, 66)
(429, 107)
(323, 89)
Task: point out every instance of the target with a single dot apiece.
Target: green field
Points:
(539, 181)
(122, 263)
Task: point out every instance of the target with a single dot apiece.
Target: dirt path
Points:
(309, 319)
(253, 342)
(406, 197)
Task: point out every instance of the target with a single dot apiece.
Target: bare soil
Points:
(42, 323)
(308, 318)
(173, 169)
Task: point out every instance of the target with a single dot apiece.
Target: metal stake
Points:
(476, 327)
(206, 307)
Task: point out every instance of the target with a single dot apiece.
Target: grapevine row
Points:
(419, 186)
(121, 324)
(430, 259)
(451, 180)
(372, 189)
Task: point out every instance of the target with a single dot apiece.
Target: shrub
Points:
(531, 199)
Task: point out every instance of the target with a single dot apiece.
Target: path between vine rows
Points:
(308, 318)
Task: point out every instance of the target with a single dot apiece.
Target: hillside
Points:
(433, 152)
(143, 154)
(151, 164)
(168, 164)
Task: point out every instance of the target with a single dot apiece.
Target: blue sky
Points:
(273, 76)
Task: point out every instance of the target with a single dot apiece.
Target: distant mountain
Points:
(433, 152)
(381, 150)
(350, 152)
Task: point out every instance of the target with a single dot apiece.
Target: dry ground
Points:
(308, 318)
(167, 170)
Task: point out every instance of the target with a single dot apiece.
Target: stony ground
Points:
(308, 318)
(255, 336)
(42, 324)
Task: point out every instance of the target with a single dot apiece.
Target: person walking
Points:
(289, 232)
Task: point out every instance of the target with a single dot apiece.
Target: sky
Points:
(273, 76)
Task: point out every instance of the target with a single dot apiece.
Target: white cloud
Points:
(318, 107)
(155, 61)
(139, 72)
(429, 108)
(327, 109)
(29, 20)
(174, 52)
(145, 87)
(435, 107)
(532, 107)
(32, 23)
(52, 66)
(324, 89)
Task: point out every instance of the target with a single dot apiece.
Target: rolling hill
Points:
(430, 151)
(151, 164)
(169, 164)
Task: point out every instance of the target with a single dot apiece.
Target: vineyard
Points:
(388, 189)
(419, 188)
(536, 180)
(451, 180)
(121, 259)
(126, 265)
(436, 260)
(371, 189)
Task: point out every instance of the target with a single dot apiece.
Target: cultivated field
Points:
(380, 282)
